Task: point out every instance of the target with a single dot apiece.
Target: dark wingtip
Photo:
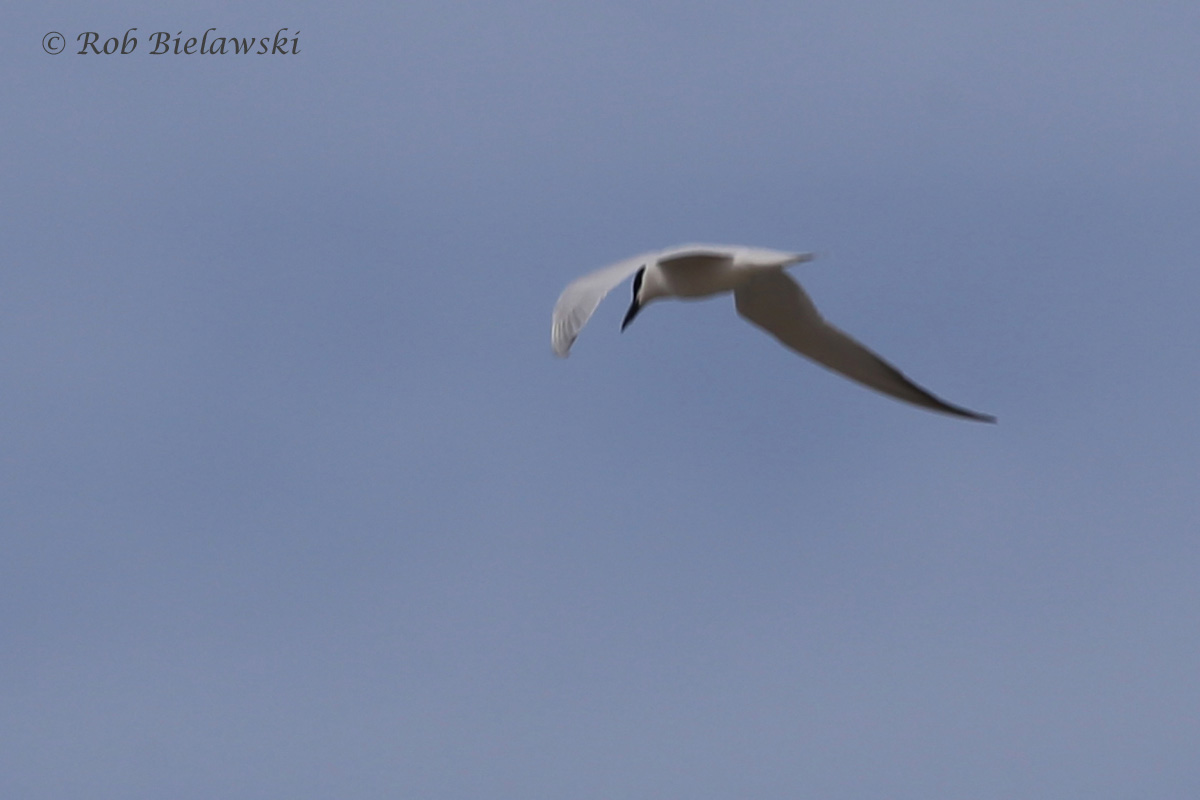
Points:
(959, 411)
(931, 401)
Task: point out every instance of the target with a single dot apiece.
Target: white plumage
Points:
(763, 293)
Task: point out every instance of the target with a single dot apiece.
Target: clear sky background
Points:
(295, 501)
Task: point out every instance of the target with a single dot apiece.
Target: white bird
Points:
(763, 293)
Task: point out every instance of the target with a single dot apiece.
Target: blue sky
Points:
(295, 500)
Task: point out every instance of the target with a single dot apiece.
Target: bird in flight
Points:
(763, 293)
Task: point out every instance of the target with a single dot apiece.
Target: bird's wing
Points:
(777, 304)
(577, 302)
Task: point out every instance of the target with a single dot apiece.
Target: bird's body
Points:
(693, 272)
(764, 294)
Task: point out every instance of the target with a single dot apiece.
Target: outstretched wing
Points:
(777, 304)
(577, 302)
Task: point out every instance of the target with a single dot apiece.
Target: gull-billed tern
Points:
(763, 293)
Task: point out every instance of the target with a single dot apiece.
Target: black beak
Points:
(634, 308)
